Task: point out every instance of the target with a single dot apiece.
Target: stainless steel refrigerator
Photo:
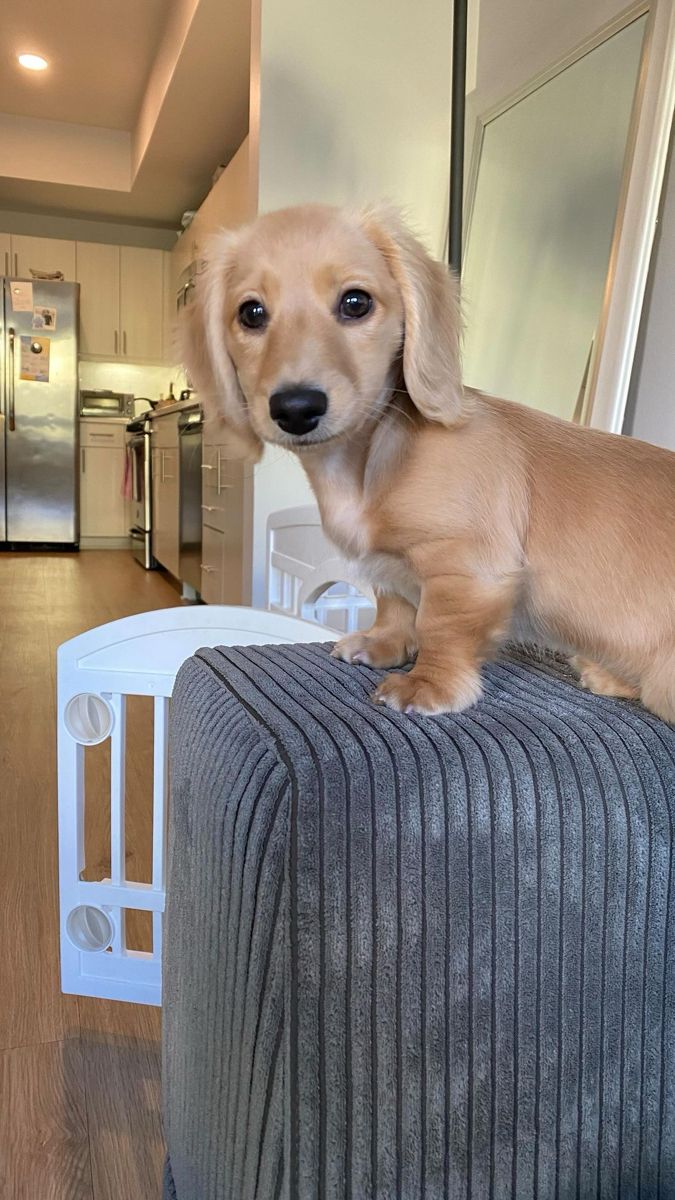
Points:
(39, 413)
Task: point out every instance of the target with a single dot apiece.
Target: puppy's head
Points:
(302, 320)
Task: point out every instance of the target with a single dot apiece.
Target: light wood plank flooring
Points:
(79, 1079)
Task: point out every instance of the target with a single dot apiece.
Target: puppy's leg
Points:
(460, 618)
(390, 642)
(657, 687)
(597, 679)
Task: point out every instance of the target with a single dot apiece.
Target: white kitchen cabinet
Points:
(141, 303)
(98, 274)
(222, 521)
(42, 254)
(5, 253)
(123, 314)
(166, 492)
(102, 464)
(213, 566)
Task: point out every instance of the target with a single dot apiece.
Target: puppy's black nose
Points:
(298, 410)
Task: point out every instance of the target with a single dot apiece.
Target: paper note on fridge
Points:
(22, 296)
(35, 359)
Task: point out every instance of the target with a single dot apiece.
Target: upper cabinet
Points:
(5, 253)
(42, 254)
(124, 292)
(122, 311)
(231, 202)
(98, 273)
(141, 302)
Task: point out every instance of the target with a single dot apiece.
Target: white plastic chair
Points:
(138, 655)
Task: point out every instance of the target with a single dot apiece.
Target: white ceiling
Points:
(141, 101)
(100, 57)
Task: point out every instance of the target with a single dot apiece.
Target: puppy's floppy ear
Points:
(203, 350)
(430, 294)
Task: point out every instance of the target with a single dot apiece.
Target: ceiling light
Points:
(33, 62)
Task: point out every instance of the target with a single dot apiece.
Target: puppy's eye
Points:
(355, 304)
(252, 314)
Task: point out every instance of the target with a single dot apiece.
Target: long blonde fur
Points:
(476, 520)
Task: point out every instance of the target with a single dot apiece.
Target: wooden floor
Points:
(79, 1079)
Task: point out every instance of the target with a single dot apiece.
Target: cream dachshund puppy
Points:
(335, 335)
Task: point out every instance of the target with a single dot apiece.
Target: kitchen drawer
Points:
(214, 510)
(165, 431)
(220, 474)
(212, 565)
(99, 432)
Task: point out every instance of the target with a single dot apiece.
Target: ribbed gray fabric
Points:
(412, 958)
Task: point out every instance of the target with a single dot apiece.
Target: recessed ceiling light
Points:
(33, 62)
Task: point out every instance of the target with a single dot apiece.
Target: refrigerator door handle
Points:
(11, 337)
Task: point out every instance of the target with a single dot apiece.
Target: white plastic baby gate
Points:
(139, 656)
(306, 576)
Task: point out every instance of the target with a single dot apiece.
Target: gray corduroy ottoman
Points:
(411, 958)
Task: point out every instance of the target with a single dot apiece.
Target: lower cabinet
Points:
(165, 507)
(213, 566)
(102, 467)
(222, 526)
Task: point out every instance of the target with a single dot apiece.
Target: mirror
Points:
(543, 193)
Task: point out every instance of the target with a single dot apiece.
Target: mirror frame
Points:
(611, 362)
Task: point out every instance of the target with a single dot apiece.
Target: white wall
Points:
(650, 413)
(354, 106)
(139, 378)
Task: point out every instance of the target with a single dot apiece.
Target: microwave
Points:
(106, 404)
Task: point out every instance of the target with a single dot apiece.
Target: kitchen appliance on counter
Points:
(139, 493)
(106, 404)
(141, 405)
(39, 414)
(190, 423)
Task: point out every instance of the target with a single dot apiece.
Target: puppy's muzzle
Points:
(298, 410)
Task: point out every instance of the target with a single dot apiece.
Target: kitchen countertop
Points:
(179, 406)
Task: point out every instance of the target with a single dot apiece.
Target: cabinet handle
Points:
(84, 460)
(116, 340)
(124, 341)
(100, 435)
(211, 508)
(207, 467)
(220, 486)
(16, 263)
(6, 262)
(161, 476)
(209, 570)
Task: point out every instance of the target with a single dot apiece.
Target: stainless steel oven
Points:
(139, 496)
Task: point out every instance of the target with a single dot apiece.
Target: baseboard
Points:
(105, 543)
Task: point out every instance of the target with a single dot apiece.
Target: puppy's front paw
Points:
(597, 679)
(412, 693)
(374, 650)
